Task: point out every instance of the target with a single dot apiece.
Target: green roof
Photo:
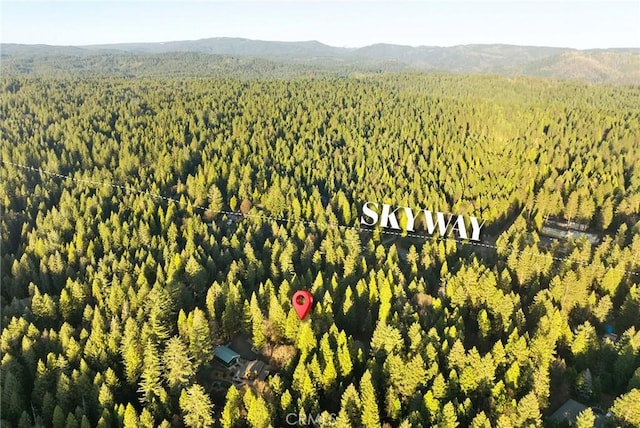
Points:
(225, 354)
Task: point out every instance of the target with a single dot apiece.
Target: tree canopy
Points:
(145, 221)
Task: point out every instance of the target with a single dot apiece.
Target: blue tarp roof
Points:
(225, 354)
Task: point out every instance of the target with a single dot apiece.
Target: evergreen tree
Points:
(200, 345)
(586, 419)
(177, 364)
(370, 412)
(626, 408)
(196, 407)
(151, 388)
(231, 415)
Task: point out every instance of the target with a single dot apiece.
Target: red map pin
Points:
(302, 301)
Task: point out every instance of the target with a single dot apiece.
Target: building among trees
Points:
(226, 355)
(568, 230)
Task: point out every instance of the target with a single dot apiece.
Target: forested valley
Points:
(146, 221)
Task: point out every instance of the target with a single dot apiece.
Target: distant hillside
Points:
(609, 65)
(123, 64)
(230, 46)
(594, 66)
(466, 58)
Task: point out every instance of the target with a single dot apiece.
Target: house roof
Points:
(225, 354)
(567, 234)
(255, 366)
(568, 411)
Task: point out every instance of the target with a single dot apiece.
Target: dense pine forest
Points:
(147, 221)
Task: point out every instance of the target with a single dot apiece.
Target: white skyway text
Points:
(445, 224)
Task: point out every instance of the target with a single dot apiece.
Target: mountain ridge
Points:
(615, 65)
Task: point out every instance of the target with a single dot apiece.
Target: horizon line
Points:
(94, 45)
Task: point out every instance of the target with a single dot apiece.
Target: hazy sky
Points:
(576, 24)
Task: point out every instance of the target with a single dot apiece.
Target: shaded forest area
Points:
(113, 300)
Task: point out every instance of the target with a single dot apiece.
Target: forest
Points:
(147, 221)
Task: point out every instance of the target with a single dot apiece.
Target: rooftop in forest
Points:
(557, 229)
(227, 355)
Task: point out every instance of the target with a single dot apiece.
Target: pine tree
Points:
(586, 419)
(344, 360)
(329, 375)
(159, 306)
(386, 339)
(258, 414)
(71, 421)
(58, 420)
(200, 344)
(292, 325)
(232, 313)
(259, 337)
(146, 418)
(131, 350)
(529, 411)
(153, 393)
(12, 399)
(196, 407)
(130, 417)
(177, 364)
(303, 384)
(448, 417)
(350, 408)
(584, 385)
(231, 415)
(196, 277)
(215, 199)
(306, 341)
(480, 421)
(370, 412)
(626, 408)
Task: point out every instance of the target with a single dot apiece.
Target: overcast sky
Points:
(576, 24)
